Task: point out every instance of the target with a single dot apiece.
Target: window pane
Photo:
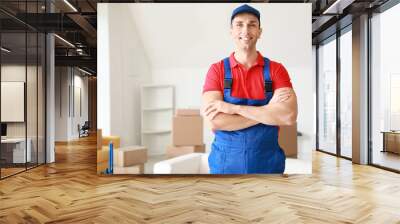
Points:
(386, 89)
(41, 98)
(327, 97)
(31, 101)
(13, 87)
(345, 94)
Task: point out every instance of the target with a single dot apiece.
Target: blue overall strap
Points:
(267, 76)
(228, 74)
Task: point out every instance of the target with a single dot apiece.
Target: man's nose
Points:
(245, 29)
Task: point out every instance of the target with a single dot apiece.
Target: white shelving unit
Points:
(157, 106)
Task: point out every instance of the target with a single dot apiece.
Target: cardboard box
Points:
(114, 139)
(187, 130)
(187, 112)
(99, 139)
(103, 155)
(288, 140)
(101, 167)
(137, 169)
(174, 151)
(130, 156)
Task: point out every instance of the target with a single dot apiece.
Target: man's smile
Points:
(245, 38)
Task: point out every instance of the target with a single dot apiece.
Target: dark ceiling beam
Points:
(49, 22)
(91, 5)
(89, 70)
(337, 15)
(84, 24)
(63, 7)
(202, 1)
(15, 18)
(11, 25)
(19, 59)
(331, 30)
(82, 61)
(338, 6)
(320, 22)
(86, 51)
(328, 13)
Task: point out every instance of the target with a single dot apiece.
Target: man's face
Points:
(245, 30)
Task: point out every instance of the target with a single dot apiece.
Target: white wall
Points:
(33, 127)
(178, 43)
(17, 73)
(61, 103)
(80, 82)
(122, 67)
(103, 69)
(66, 121)
(314, 103)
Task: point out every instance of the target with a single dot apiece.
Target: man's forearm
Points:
(271, 114)
(231, 122)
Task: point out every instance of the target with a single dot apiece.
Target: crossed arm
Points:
(281, 110)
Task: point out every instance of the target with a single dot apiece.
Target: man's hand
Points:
(223, 121)
(219, 106)
(281, 96)
(213, 108)
(281, 111)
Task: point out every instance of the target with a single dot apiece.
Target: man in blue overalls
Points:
(245, 98)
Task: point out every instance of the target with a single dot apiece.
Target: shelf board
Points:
(157, 109)
(160, 131)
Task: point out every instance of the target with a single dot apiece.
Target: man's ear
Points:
(259, 36)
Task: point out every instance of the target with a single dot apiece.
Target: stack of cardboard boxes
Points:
(126, 160)
(187, 133)
(130, 160)
(103, 152)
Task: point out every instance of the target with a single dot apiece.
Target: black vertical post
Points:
(1, 163)
(37, 89)
(73, 91)
(317, 95)
(45, 88)
(26, 86)
(369, 90)
(338, 73)
(69, 92)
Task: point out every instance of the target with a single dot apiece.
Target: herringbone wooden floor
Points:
(69, 191)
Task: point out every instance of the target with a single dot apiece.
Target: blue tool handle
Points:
(111, 147)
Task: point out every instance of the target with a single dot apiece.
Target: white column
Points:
(103, 71)
(50, 99)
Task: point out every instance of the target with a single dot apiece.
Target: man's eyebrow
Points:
(252, 21)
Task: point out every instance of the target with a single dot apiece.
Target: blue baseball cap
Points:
(245, 9)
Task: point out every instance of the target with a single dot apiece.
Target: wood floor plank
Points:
(70, 191)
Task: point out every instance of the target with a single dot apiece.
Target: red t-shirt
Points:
(249, 83)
